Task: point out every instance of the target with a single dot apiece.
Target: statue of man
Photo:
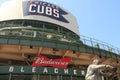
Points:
(93, 70)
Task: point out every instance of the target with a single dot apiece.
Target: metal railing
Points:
(61, 37)
(99, 44)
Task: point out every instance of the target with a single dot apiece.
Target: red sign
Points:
(44, 61)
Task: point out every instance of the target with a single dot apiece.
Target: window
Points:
(24, 77)
(4, 77)
(44, 77)
(66, 77)
(55, 77)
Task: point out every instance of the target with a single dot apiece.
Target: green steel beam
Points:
(58, 44)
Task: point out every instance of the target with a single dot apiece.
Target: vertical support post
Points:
(38, 77)
(71, 77)
(58, 77)
(10, 76)
(61, 78)
(49, 77)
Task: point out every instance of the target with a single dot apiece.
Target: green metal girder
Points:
(58, 44)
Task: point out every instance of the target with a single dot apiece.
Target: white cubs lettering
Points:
(49, 11)
(31, 8)
(40, 9)
(44, 10)
(56, 13)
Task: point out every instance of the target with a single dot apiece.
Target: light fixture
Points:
(74, 51)
(31, 47)
(55, 50)
(117, 61)
(100, 56)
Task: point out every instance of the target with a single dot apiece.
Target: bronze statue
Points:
(94, 70)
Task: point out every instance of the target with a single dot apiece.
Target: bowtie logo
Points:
(44, 61)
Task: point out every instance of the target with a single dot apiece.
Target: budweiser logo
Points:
(44, 61)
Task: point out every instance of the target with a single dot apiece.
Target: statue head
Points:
(96, 61)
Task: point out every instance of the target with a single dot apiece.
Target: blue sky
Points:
(99, 19)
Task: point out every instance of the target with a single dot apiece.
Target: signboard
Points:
(48, 10)
(40, 11)
(40, 70)
(44, 61)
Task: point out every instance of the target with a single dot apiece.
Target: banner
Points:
(58, 63)
(20, 70)
(48, 10)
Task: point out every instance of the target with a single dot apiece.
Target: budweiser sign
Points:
(44, 61)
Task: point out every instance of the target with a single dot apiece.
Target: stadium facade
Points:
(41, 41)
